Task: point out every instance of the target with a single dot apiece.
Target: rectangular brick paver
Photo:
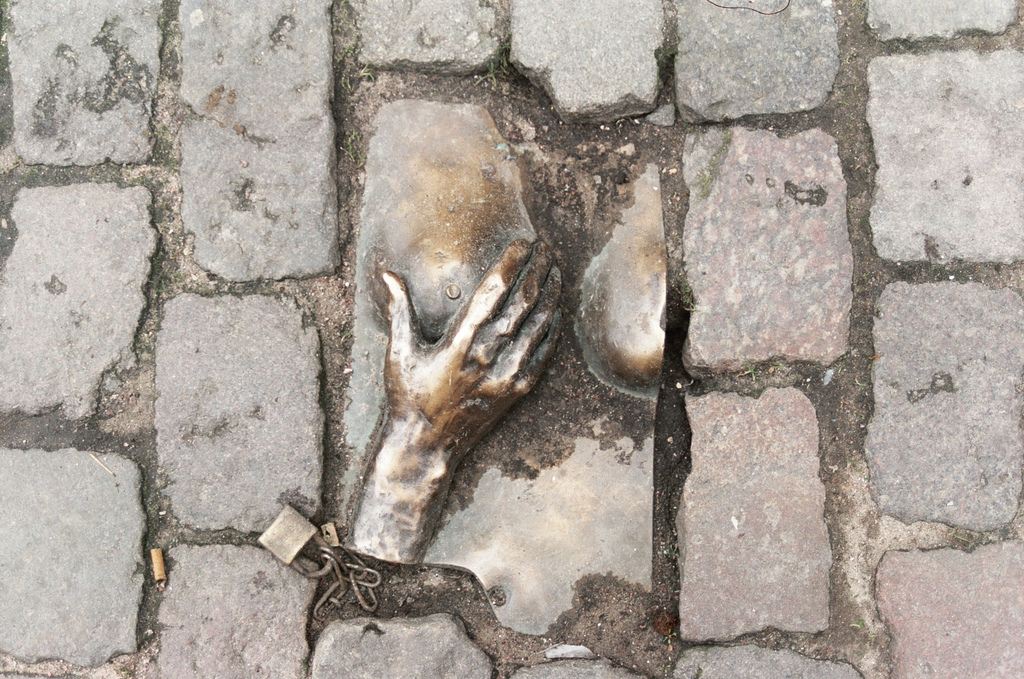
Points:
(233, 613)
(736, 63)
(752, 662)
(431, 647)
(767, 250)
(594, 58)
(439, 36)
(754, 549)
(916, 19)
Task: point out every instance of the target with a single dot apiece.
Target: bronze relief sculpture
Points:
(443, 397)
(456, 320)
(468, 298)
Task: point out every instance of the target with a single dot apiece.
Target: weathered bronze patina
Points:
(561, 489)
(443, 397)
(622, 307)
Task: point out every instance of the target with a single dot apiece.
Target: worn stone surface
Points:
(575, 669)
(767, 251)
(594, 58)
(239, 426)
(71, 293)
(663, 116)
(534, 538)
(433, 647)
(915, 19)
(945, 442)
(71, 555)
(754, 550)
(621, 316)
(752, 662)
(954, 614)
(84, 79)
(949, 143)
(257, 169)
(439, 36)
(232, 613)
(735, 63)
(443, 198)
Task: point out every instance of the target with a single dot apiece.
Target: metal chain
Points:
(348, 572)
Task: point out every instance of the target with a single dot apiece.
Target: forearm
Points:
(403, 493)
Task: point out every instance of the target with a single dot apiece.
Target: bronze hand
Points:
(443, 398)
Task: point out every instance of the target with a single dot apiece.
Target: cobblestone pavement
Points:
(828, 484)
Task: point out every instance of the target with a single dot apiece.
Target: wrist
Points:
(403, 493)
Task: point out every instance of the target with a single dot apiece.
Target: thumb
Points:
(399, 311)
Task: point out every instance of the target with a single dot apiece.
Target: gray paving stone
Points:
(257, 169)
(945, 442)
(954, 614)
(915, 19)
(71, 555)
(663, 116)
(232, 613)
(84, 79)
(575, 669)
(433, 647)
(949, 141)
(239, 426)
(438, 36)
(594, 58)
(71, 293)
(767, 248)
(257, 212)
(754, 547)
(752, 662)
(735, 63)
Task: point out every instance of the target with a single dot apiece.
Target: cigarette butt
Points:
(159, 574)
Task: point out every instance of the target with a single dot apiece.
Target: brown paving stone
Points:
(767, 251)
(752, 662)
(754, 550)
(954, 614)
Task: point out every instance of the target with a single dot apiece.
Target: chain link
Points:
(346, 572)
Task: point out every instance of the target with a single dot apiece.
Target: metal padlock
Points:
(288, 535)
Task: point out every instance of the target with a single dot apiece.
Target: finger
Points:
(497, 333)
(399, 311)
(534, 367)
(490, 294)
(516, 358)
